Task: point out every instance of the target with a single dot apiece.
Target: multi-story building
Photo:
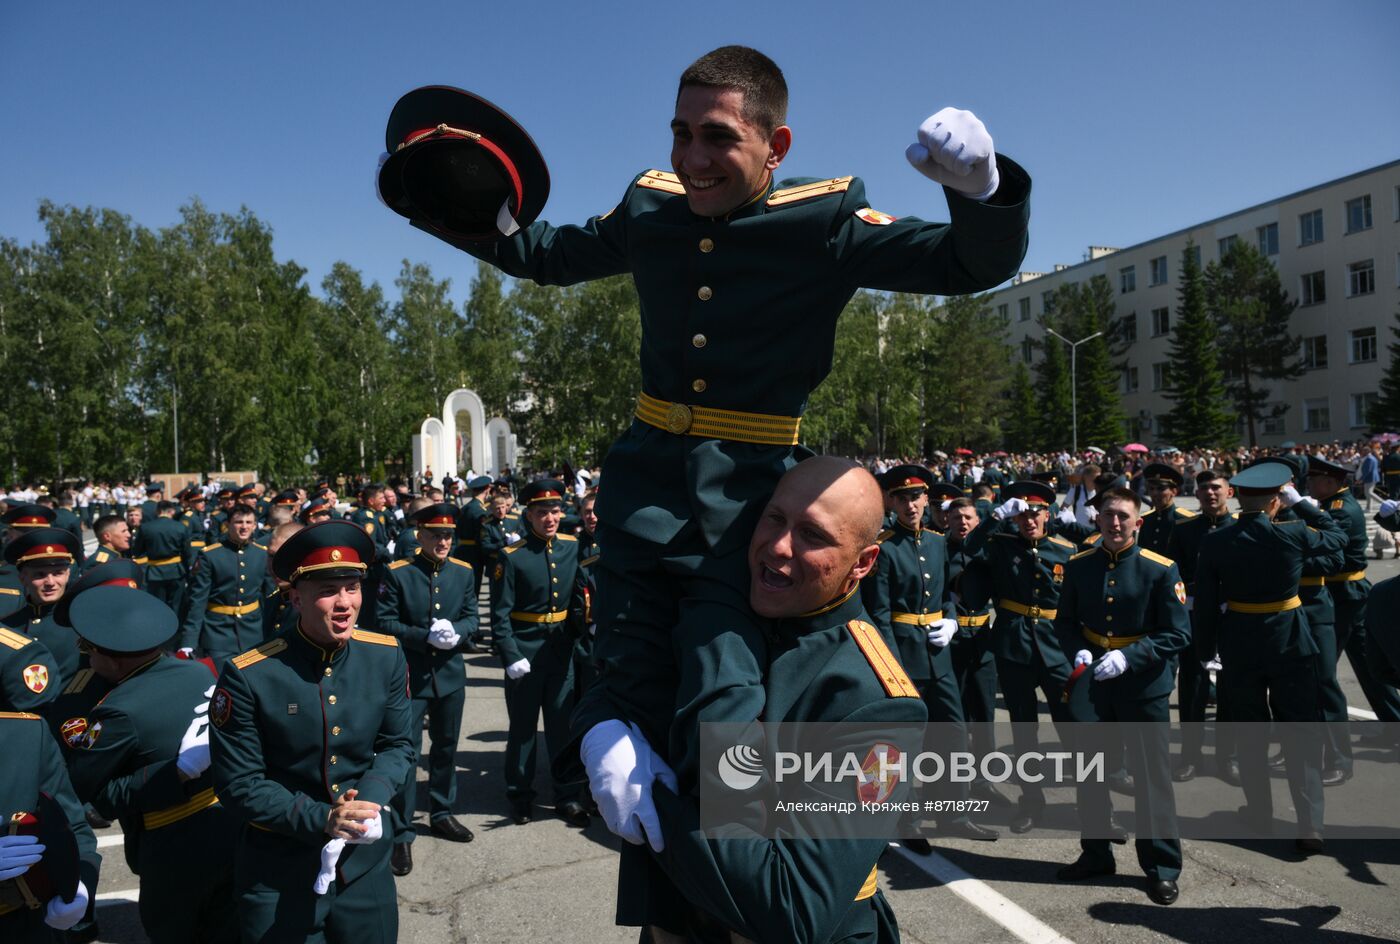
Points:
(1337, 250)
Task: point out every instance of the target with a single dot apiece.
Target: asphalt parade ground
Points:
(546, 881)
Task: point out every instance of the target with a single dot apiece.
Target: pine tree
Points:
(1384, 417)
(1083, 311)
(1021, 418)
(1199, 416)
(1052, 394)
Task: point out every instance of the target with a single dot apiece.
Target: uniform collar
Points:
(534, 540)
(751, 207)
(1117, 556)
(316, 650)
(140, 668)
(426, 563)
(900, 526)
(841, 610)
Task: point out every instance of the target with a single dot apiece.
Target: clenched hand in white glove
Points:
(374, 831)
(1010, 508)
(621, 769)
(1111, 666)
(1065, 515)
(17, 854)
(442, 634)
(512, 537)
(942, 632)
(1289, 495)
(518, 670)
(62, 915)
(1083, 657)
(955, 150)
(193, 758)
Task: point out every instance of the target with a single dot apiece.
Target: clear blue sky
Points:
(1134, 119)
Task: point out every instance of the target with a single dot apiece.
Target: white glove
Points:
(511, 538)
(1308, 500)
(185, 652)
(62, 915)
(1211, 665)
(1388, 507)
(193, 759)
(389, 547)
(374, 831)
(942, 633)
(944, 505)
(330, 858)
(1066, 515)
(955, 150)
(1289, 495)
(17, 854)
(398, 516)
(443, 635)
(621, 768)
(1010, 508)
(1111, 666)
(1083, 657)
(517, 670)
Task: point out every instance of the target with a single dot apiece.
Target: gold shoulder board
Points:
(212, 547)
(884, 536)
(1056, 539)
(820, 188)
(565, 537)
(10, 591)
(400, 563)
(13, 639)
(661, 180)
(1157, 558)
(379, 639)
(79, 682)
(459, 563)
(1186, 513)
(1083, 553)
(589, 561)
(513, 548)
(254, 656)
(887, 668)
(22, 715)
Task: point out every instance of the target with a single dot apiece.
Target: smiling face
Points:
(722, 159)
(328, 609)
(44, 580)
(1118, 521)
(814, 541)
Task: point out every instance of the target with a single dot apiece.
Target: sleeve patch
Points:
(874, 217)
(1181, 592)
(887, 668)
(220, 707)
(73, 732)
(36, 678)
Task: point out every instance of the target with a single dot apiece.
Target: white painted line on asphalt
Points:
(992, 903)
(104, 841)
(131, 895)
(1361, 714)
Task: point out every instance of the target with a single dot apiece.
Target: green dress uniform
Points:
(165, 545)
(406, 544)
(473, 515)
(376, 525)
(1250, 571)
(588, 556)
(738, 328)
(35, 768)
(197, 525)
(1193, 681)
(974, 667)
(416, 593)
(1383, 641)
(1158, 525)
(65, 518)
(537, 605)
(224, 616)
(104, 555)
(278, 614)
(179, 839)
(37, 622)
(30, 678)
(1131, 601)
(831, 665)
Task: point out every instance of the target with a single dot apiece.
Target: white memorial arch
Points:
(463, 439)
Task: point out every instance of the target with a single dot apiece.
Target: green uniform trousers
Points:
(548, 687)
(1018, 684)
(270, 912)
(444, 716)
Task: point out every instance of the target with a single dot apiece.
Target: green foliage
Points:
(1385, 415)
(1021, 416)
(1080, 310)
(1054, 405)
(1200, 415)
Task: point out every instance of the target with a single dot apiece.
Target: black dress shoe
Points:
(1024, 821)
(1309, 845)
(1162, 891)
(473, 644)
(986, 790)
(521, 812)
(967, 829)
(1117, 834)
(401, 859)
(1185, 773)
(447, 827)
(1083, 868)
(1335, 776)
(1121, 782)
(917, 845)
(573, 813)
(1230, 772)
(95, 819)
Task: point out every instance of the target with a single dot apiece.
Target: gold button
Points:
(333, 758)
(335, 730)
(553, 579)
(698, 385)
(437, 589)
(328, 671)
(920, 558)
(331, 699)
(335, 788)
(927, 577)
(704, 293)
(1110, 583)
(437, 606)
(707, 245)
(1109, 618)
(699, 340)
(556, 593)
(552, 564)
(241, 577)
(1111, 566)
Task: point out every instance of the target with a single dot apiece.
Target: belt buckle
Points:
(678, 418)
(1034, 613)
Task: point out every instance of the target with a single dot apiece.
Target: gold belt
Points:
(556, 617)
(164, 560)
(868, 889)
(1281, 606)
(1347, 576)
(917, 619)
(466, 543)
(243, 610)
(1034, 612)
(974, 621)
(1109, 642)
(1311, 581)
(173, 814)
(709, 423)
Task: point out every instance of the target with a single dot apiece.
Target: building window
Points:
(1047, 301)
(1310, 228)
(1359, 214)
(1027, 350)
(1314, 288)
(1161, 322)
(1130, 379)
(1363, 345)
(1361, 278)
(1127, 279)
(1196, 255)
(1268, 239)
(1023, 309)
(1273, 425)
(1361, 406)
(1129, 328)
(1222, 246)
(1003, 312)
(1159, 270)
(1315, 352)
(1159, 375)
(1317, 416)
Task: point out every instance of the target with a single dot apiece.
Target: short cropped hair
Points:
(964, 502)
(1121, 494)
(747, 71)
(106, 523)
(243, 511)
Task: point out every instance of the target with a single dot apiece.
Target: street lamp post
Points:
(1073, 381)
